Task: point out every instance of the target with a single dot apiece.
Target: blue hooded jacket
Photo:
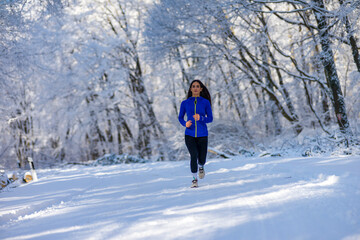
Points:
(200, 106)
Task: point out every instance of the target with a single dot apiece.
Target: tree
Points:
(330, 67)
(243, 34)
(350, 32)
(124, 20)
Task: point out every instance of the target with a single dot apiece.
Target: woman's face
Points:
(195, 89)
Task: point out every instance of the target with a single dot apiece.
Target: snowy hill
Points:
(240, 198)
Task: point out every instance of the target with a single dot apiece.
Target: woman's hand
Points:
(188, 124)
(196, 117)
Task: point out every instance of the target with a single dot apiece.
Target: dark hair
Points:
(204, 93)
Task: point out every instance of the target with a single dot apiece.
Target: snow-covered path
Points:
(240, 198)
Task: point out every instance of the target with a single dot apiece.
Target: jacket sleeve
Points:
(182, 114)
(209, 116)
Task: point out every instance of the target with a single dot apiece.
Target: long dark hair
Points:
(204, 93)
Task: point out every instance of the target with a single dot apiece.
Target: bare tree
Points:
(350, 33)
(123, 18)
(330, 67)
(243, 34)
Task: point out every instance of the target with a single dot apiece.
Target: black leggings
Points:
(197, 148)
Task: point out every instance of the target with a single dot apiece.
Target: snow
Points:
(240, 198)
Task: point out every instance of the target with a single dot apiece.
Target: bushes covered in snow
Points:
(111, 159)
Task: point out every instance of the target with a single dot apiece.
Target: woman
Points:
(197, 107)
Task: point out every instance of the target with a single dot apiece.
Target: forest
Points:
(83, 78)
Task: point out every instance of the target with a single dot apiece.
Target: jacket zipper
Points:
(195, 102)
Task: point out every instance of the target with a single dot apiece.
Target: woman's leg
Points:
(193, 150)
(202, 145)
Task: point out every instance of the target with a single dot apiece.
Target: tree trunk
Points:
(352, 41)
(330, 70)
(185, 77)
(236, 98)
(147, 121)
(108, 131)
(270, 85)
(269, 57)
(266, 112)
(297, 127)
(148, 124)
(325, 107)
(22, 127)
(94, 137)
(124, 134)
(143, 140)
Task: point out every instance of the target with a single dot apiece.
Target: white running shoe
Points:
(201, 172)
(194, 183)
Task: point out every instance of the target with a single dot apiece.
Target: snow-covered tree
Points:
(277, 47)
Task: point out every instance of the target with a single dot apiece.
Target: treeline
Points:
(80, 79)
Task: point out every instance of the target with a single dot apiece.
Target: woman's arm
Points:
(209, 116)
(182, 114)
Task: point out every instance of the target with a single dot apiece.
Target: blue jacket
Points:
(200, 106)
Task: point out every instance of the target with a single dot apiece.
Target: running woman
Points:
(197, 107)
